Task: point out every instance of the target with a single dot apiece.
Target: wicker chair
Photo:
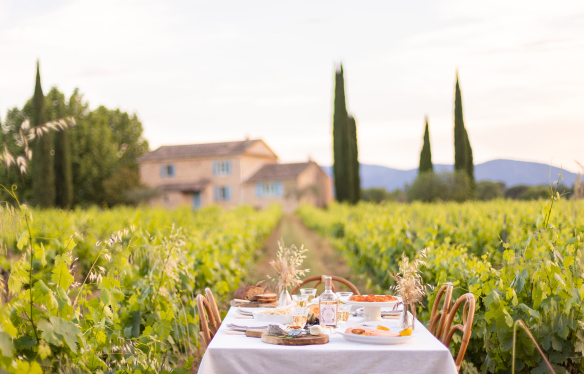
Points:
(207, 328)
(438, 318)
(468, 312)
(211, 299)
(320, 279)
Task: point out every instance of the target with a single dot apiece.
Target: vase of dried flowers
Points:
(284, 299)
(288, 273)
(410, 286)
(407, 318)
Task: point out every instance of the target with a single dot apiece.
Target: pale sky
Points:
(205, 71)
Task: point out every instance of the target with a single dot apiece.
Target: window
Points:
(167, 171)
(221, 167)
(272, 189)
(222, 193)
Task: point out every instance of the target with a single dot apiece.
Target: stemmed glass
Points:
(300, 300)
(310, 292)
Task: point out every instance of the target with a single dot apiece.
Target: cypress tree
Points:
(354, 161)
(469, 167)
(460, 141)
(43, 168)
(426, 154)
(340, 140)
(56, 109)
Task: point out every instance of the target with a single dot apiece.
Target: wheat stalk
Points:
(25, 135)
(409, 283)
(287, 266)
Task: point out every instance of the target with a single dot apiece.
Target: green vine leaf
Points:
(6, 346)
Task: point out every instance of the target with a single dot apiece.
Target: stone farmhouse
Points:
(231, 174)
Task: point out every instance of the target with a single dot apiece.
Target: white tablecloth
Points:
(240, 354)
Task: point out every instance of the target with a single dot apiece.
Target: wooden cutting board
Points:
(254, 333)
(303, 340)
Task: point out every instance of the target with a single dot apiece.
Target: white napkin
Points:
(230, 332)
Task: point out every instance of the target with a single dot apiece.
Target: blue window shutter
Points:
(162, 171)
(227, 193)
(228, 167)
(215, 168)
(217, 193)
(258, 189)
(279, 189)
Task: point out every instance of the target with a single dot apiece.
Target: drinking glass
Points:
(300, 300)
(343, 312)
(299, 316)
(311, 292)
(344, 295)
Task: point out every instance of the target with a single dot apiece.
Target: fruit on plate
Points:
(313, 314)
(373, 298)
(370, 332)
(406, 332)
(379, 327)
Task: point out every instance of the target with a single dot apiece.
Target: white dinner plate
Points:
(283, 319)
(364, 339)
(245, 325)
(247, 311)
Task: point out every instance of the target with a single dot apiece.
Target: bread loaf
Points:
(248, 292)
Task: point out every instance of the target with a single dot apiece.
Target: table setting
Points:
(420, 353)
(339, 332)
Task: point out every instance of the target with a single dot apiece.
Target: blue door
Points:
(196, 200)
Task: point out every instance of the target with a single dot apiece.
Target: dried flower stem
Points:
(287, 266)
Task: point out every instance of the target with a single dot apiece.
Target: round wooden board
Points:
(303, 340)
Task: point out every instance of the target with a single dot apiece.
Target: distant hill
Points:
(511, 172)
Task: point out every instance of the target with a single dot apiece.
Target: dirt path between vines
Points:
(321, 257)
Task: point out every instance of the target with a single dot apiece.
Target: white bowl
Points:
(284, 319)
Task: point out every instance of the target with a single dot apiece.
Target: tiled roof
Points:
(279, 172)
(185, 187)
(168, 152)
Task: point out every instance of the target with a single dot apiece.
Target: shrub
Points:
(378, 195)
(487, 190)
(432, 187)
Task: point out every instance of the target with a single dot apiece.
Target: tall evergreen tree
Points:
(56, 109)
(469, 167)
(426, 154)
(459, 131)
(354, 161)
(43, 168)
(463, 158)
(341, 167)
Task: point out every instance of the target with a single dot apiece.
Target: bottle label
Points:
(328, 314)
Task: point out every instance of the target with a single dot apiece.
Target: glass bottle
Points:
(328, 305)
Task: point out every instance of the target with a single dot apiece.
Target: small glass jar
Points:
(299, 316)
